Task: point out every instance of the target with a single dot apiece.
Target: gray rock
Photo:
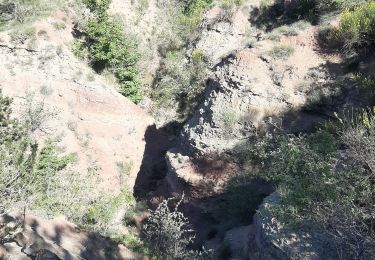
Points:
(239, 98)
(277, 241)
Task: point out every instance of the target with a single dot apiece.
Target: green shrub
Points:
(59, 26)
(180, 84)
(79, 49)
(229, 118)
(357, 26)
(109, 48)
(21, 35)
(264, 4)
(197, 56)
(101, 213)
(326, 188)
(281, 51)
(194, 11)
(16, 12)
(168, 234)
(132, 241)
(98, 6)
(226, 4)
(42, 180)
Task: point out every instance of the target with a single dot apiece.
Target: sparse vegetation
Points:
(287, 30)
(59, 25)
(323, 185)
(325, 178)
(21, 35)
(16, 13)
(41, 180)
(168, 234)
(106, 47)
(230, 119)
(281, 51)
(124, 168)
(37, 114)
(357, 26)
(181, 83)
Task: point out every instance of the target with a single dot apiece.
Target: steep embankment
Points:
(92, 118)
(70, 102)
(257, 83)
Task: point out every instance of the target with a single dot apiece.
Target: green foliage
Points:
(327, 188)
(79, 49)
(226, 4)
(197, 56)
(59, 26)
(304, 175)
(230, 119)
(264, 4)
(281, 51)
(100, 214)
(14, 13)
(109, 48)
(17, 157)
(21, 35)
(357, 25)
(97, 6)
(168, 234)
(49, 158)
(366, 88)
(132, 242)
(194, 11)
(10, 129)
(42, 180)
(180, 84)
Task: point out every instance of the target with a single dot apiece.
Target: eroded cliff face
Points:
(249, 89)
(89, 116)
(248, 92)
(70, 102)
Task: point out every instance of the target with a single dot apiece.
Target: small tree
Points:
(109, 48)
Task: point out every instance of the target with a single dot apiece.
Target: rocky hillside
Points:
(251, 135)
(83, 108)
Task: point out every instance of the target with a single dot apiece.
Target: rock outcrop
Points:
(37, 238)
(276, 241)
(249, 90)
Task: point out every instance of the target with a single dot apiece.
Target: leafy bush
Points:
(357, 26)
(59, 25)
(109, 48)
(14, 13)
(180, 83)
(168, 234)
(230, 3)
(194, 10)
(281, 51)
(99, 215)
(329, 189)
